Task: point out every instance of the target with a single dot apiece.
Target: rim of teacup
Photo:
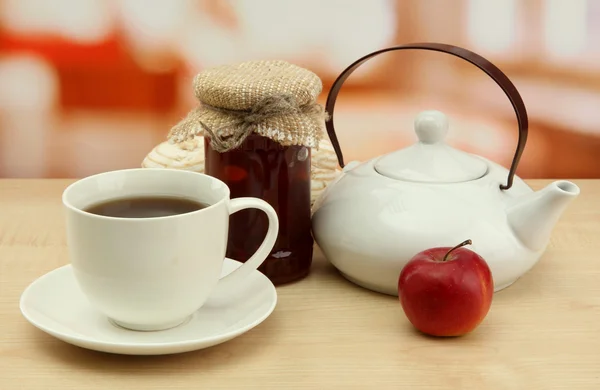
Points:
(78, 210)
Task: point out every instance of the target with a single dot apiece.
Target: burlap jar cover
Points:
(274, 99)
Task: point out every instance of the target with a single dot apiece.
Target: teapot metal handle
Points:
(490, 69)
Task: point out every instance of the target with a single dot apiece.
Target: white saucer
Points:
(55, 304)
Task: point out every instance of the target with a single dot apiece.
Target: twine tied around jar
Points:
(274, 99)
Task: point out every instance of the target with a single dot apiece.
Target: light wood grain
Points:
(541, 333)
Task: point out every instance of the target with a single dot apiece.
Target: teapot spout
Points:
(533, 216)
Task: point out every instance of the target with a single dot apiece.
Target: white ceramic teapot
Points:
(380, 213)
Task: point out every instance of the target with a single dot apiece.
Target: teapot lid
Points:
(431, 160)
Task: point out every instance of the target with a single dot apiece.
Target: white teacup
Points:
(153, 273)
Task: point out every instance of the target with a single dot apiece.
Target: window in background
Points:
(492, 26)
(566, 32)
(537, 35)
(86, 21)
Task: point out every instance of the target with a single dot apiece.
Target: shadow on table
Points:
(229, 353)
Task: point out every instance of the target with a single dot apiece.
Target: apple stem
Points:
(466, 242)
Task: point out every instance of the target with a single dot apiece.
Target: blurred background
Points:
(93, 85)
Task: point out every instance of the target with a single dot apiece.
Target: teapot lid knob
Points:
(431, 126)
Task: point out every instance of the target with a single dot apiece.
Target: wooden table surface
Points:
(541, 333)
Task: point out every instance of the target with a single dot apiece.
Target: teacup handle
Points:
(490, 69)
(236, 277)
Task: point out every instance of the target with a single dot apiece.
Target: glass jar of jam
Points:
(263, 168)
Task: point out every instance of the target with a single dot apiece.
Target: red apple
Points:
(446, 291)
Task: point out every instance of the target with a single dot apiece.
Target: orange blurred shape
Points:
(98, 75)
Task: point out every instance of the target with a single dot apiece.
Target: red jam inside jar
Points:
(280, 175)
